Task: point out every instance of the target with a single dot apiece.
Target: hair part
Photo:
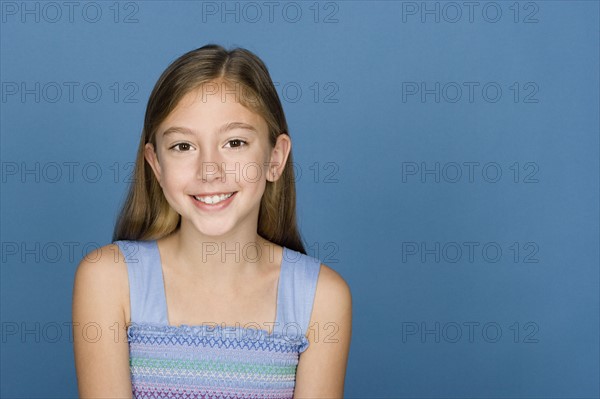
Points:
(146, 214)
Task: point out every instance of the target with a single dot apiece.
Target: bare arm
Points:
(322, 367)
(100, 340)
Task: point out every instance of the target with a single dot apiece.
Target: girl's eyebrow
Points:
(222, 129)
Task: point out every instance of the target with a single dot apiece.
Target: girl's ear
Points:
(279, 156)
(152, 159)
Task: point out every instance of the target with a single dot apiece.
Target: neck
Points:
(223, 259)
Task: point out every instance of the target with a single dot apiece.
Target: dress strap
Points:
(146, 287)
(299, 274)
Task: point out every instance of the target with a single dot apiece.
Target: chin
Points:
(213, 231)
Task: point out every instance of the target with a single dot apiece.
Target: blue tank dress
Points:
(215, 361)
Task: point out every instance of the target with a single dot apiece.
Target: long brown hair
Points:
(146, 214)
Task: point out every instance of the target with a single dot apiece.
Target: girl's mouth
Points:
(214, 201)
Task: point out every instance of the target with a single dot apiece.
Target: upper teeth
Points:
(214, 198)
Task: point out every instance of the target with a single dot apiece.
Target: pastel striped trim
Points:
(212, 362)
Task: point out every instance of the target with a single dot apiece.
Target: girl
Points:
(207, 290)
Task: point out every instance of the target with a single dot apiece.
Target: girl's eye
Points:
(237, 143)
(183, 147)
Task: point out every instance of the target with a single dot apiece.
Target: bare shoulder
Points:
(322, 366)
(108, 256)
(104, 269)
(333, 297)
(99, 325)
(104, 264)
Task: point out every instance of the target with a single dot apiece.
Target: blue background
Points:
(391, 233)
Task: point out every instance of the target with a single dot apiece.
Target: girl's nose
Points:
(210, 166)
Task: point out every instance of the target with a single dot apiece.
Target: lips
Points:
(214, 199)
(211, 194)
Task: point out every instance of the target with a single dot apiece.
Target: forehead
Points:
(210, 106)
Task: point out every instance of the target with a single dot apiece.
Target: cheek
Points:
(248, 170)
(175, 175)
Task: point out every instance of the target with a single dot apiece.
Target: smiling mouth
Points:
(213, 199)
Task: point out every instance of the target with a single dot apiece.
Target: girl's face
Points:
(209, 145)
